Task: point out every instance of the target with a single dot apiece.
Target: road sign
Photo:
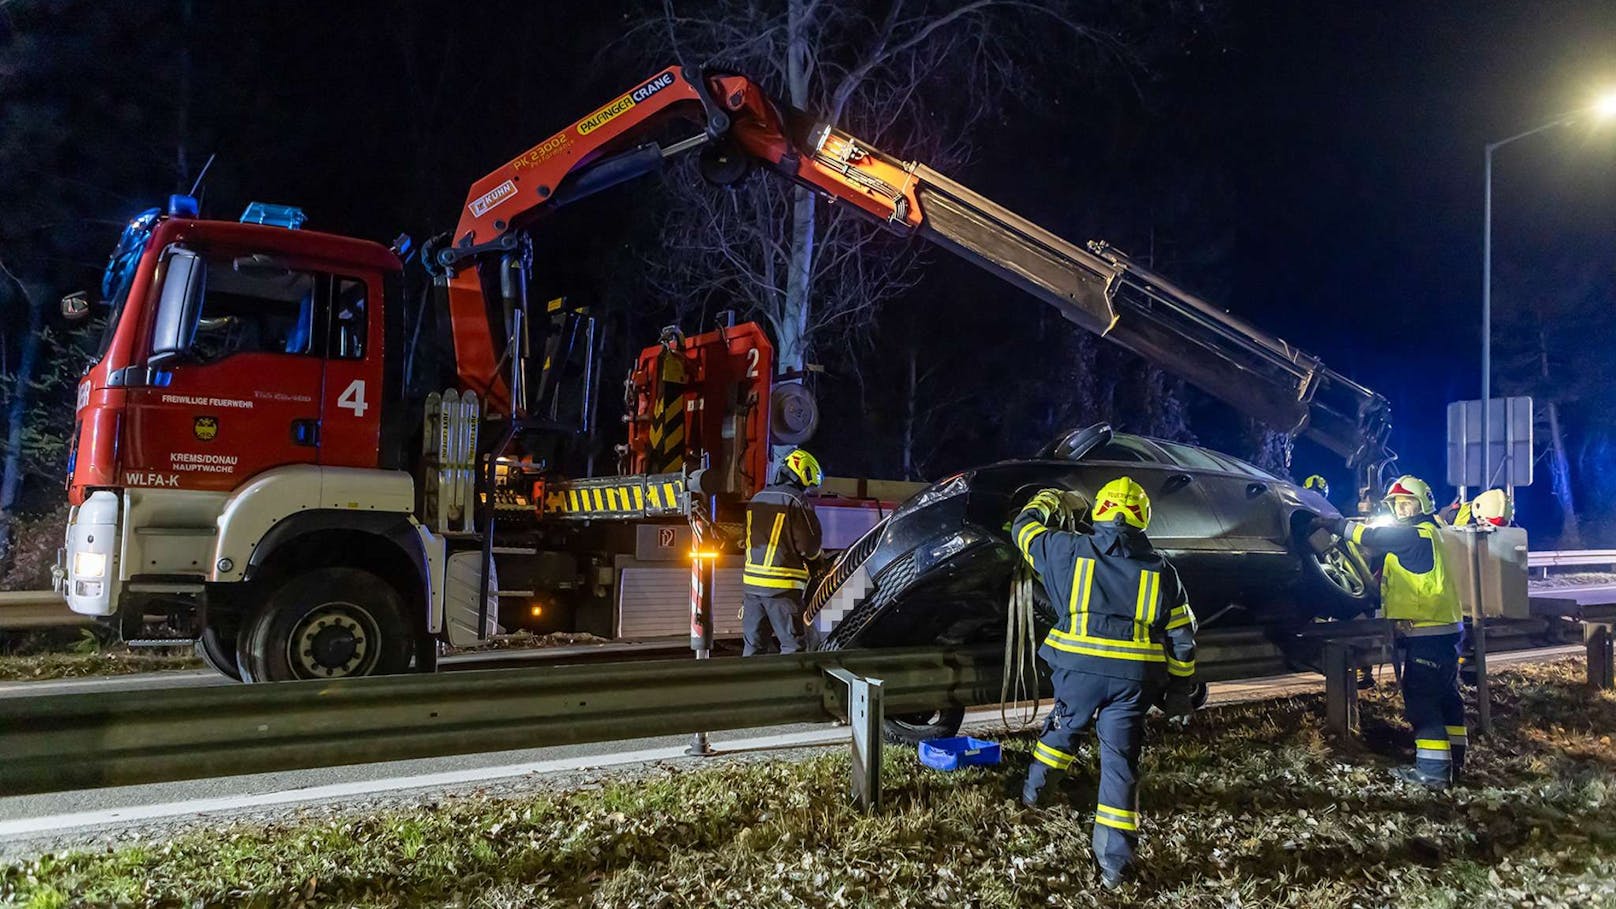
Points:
(1509, 450)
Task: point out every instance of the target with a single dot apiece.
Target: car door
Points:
(1181, 515)
(1246, 500)
(351, 402)
(246, 397)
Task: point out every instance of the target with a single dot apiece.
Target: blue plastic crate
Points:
(959, 751)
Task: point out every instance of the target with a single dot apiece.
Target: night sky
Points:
(1316, 168)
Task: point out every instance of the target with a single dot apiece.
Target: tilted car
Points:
(939, 569)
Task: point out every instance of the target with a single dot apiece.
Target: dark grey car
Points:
(939, 569)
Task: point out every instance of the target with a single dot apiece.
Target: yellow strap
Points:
(1046, 759)
(1130, 826)
(1123, 813)
(1180, 668)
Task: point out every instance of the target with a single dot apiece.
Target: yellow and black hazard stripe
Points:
(666, 452)
(619, 497)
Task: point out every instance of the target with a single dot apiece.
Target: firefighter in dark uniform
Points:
(782, 544)
(1418, 595)
(1124, 635)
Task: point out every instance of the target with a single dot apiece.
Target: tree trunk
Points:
(16, 414)
(793, 327)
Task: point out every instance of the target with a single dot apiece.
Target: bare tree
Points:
(911, 76)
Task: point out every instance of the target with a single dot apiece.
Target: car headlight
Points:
(89, 565)
(947, 489)
(950, 546)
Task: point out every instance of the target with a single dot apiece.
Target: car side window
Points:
(1195, 458)
(255, 310)
(1125, 450)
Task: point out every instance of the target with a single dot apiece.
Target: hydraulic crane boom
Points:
(1095, 286)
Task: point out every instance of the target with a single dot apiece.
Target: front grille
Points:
(893, 581)
(844, 567)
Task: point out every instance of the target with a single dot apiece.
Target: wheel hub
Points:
(332, 640)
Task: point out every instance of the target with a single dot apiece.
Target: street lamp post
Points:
(1604, 109)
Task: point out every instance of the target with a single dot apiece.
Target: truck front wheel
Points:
(323, 624)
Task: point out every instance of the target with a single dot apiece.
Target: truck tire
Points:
(219, 652)
(914, 728)
(324, 624)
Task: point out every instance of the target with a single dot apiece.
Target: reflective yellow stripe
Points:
(754, 580)
(611, 499)
(1180, 617)
(1157, 657)
(777, 571)
(1180, 668)
(1027, 535)
(1144, 607)
(656, 502)
(673, 496)
(1457, 730)
(1105, 642)
(1130, 826)
(1072, 598)
(1082, 585)
(1120, 813)
(1054, 757)
(572, 500)
(639, 498)
(1432, 744)
(599, 506)
(774, 538)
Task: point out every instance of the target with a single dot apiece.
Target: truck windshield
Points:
(120, 273)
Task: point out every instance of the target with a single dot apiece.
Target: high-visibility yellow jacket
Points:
(1120, 607)
(782, 538)
(1415, 585)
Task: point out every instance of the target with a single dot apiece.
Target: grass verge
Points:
(68, 653)
(1249, 807)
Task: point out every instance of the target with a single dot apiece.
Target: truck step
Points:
(177, 531)
(515, 550)
(164, 587)
(512, 593)
(161, 642)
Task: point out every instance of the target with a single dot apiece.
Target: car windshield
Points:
(120, 272)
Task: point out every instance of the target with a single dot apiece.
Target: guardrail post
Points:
(1597, 635)
(1340, 688)
(702, 564)
(864, 715)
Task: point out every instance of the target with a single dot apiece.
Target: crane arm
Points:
(1093, 285)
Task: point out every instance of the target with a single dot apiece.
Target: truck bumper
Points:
(87, 573)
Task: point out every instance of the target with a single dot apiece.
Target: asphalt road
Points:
(30, 823)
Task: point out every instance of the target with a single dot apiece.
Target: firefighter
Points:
(1418, 595)
(1318, 484)
(1123, 637)
(782, 544)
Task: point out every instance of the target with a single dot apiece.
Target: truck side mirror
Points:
(178, 307)
(76, 306)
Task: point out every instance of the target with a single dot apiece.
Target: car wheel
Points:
(1338, 581)
(327, 623)
(914, 728)
(218, 649)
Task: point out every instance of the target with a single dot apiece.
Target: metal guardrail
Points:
(1571, 557)
(27, 609)
(71, 741)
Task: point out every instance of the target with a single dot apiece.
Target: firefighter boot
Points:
(1033, 789)
(1436, 782)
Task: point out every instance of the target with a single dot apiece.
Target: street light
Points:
(1602, 109)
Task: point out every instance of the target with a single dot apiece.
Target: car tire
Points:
(326, 623)
(217, 648)
(914, 728)
(1336, 583)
